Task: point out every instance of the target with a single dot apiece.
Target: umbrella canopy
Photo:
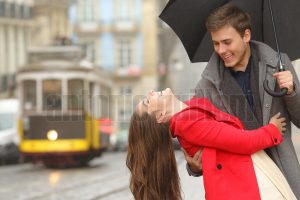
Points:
(187, 19)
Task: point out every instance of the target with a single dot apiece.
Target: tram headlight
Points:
(52, 135)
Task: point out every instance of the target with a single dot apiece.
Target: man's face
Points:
(231, 47)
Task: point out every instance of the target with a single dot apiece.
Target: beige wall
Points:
(149, 30)
(2, 50)
(150, 36)
(16, 35)
(51, 22)
(14, 41)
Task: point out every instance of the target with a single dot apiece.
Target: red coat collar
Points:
(206, 106)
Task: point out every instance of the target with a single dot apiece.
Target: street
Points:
(106, 178)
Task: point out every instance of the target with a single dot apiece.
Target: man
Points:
(233, 81)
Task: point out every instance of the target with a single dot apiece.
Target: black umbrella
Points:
(187, 19)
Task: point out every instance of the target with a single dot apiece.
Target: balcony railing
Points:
(127, 26)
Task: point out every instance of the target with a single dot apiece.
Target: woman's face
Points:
(157, 103)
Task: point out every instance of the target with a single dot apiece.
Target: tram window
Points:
(29, 95)
(105, 102)
(123, 125)
(91, 98)
(75, 94)
(52, 95)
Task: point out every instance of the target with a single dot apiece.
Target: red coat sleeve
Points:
(201, 129)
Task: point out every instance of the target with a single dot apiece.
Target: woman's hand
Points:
(279, 122)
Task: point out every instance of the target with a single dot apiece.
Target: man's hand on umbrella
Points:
(195, 163)
(285, 80)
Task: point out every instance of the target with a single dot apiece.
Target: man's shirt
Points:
(243, 79)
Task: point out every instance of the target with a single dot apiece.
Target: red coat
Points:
(228, 171)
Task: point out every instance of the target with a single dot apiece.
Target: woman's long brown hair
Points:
(151, 160)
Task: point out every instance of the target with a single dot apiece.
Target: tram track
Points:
(106, 178)
(84, 188)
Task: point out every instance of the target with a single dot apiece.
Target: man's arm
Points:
(290, 80)
(201, 130)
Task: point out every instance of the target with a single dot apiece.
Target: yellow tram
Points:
(63, 99)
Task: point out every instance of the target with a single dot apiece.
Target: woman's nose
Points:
(150, 93)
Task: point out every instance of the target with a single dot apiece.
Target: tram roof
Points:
(57, 58)
(58, 65)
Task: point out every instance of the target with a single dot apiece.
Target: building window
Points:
(2, 9)
(17, 11)
(87, 10)
(124, 103)
(105, 101)
(25, 11)
(125, 90)
(7, 10)
(125, 52)
(12, 82)
(12, 10)
(91, 51)
(123, 125)
(124, 10)
(125, 114)
(30, 12)
(4, 83)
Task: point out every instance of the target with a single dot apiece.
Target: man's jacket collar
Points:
(215, 67)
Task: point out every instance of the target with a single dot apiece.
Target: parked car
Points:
(9, 137)
(121, 143)
(176, 144)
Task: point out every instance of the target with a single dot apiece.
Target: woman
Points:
(229, 169)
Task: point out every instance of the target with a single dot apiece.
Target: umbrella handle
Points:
(282, 92)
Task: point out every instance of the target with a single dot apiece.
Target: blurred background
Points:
(71, 73)
(87, 58)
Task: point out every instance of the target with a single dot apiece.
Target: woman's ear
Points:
(160, 118)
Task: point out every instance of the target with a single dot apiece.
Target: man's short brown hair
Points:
(228, 15)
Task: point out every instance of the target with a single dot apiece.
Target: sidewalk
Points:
(191, 187)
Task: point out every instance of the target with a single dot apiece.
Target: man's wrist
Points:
(191, 173)
(293, 92)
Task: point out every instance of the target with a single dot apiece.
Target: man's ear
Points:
(247, 35)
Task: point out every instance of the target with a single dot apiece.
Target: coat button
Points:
(275, 140)
(219, 166)
(268, 105)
